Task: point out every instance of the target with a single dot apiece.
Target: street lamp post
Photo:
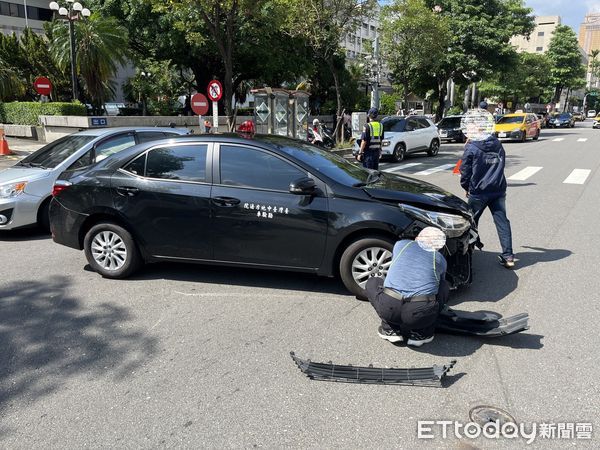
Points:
(74, 11)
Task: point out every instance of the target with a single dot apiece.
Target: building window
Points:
(539, 49)
(540, 33)
(33, 12)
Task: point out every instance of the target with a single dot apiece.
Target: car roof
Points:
(516, 114)
(113, 130)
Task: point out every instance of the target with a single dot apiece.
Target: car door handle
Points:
(226, 201)
(127, 191)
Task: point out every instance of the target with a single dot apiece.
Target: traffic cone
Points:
(456, 169)
(4, 150)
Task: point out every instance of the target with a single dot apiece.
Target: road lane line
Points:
(558, 139)
(405, 166)
(582, 139)
(435, 169)
(578, 176)
(527, 172)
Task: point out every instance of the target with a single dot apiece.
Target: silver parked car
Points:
(26, 188)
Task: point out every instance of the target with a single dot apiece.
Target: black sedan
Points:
(266, 202)
(562, 120)
(449, 129)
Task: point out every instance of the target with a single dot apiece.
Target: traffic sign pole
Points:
(215, 126)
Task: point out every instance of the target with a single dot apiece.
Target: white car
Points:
(26, 188)
(404, 135)
(591, 113)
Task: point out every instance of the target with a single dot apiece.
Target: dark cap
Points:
(373, 113)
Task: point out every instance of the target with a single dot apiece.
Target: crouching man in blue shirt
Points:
(409, 301)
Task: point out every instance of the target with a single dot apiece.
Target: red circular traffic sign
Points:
(215, 90)
(42, 85)
(199, 104)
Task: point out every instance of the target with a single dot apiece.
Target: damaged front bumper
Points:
(427, 376)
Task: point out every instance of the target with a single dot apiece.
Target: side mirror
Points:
(303, 186)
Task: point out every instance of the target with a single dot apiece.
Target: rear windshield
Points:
(53, 154)
(513, 119)
(450, 122)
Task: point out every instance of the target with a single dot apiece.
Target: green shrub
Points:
(26, 113)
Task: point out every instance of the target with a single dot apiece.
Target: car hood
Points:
(401, 189)
(508, 126)
(15, 174)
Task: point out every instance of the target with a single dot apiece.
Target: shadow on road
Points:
(49, 337)
(241, 277)
(540, 255)
(24, 234)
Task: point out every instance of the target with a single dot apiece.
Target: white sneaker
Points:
(419, 342)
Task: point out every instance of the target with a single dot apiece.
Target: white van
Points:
(591, 113)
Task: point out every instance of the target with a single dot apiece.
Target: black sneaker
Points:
(507, 261)
(389, 335)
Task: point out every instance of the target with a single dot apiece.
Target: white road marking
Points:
(582, 139)
(578, 176)
(522, 175)
(558, 139)
(435, 169)
(402, 167)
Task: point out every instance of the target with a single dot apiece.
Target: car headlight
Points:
(385, 143)
(451, 224)
(12, 189)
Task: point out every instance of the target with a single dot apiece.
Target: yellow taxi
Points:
(596, 122)
(518, 127)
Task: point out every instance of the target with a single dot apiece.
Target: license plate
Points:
(501, 134)
(443, 133)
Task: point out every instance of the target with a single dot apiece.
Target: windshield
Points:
(565, 116)
(327, 163)
(450, 122)
(53, 154)
(513, 119)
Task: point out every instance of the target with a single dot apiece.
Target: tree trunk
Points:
(338, 97)
(442, 91)
(567, 99)
(405, 96)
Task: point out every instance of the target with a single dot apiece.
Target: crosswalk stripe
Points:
(558, 139)
(402, 167)
(522, 175)
(435, 169)
(582, 140)
(578, 176)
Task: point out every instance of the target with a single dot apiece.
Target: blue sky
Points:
(571, 12)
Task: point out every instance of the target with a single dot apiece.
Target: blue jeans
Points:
(497, 207)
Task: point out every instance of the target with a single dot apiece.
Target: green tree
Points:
(479, 43)
(565, 57)
(323, 24)
(413, 41)
(594, 65)
(101, 47)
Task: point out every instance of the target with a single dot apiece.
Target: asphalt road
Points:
(198, 357)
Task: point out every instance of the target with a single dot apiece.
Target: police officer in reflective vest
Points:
(370, 146)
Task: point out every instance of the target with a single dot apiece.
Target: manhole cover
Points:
(487, 414)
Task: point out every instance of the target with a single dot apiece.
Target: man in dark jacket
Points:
(482, 177)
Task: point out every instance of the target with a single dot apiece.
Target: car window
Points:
(178, 162)
(248, 167)
(83, 161)
(423, 123)
(411, 124)
(137, 166)
(114, 145)
(513, 119)
(450, 122)
(147, 136)
(394, 125)
(53, 154)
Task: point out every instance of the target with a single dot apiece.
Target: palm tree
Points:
(594, 66)
(101, 47)
(11, 85)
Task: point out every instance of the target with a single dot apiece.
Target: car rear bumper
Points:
(65, 225)
(510, 135)
(20, 211)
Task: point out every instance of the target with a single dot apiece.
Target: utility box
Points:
(281, 112)
(359, 120)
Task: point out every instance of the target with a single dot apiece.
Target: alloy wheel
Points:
(109, 250)
(370, 262)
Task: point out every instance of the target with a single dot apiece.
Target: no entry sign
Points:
(215, 90)
(42, 86)
(199, 104)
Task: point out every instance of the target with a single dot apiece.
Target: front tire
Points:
(537, 135)
(111, 250)
(43, 217)
(399, 153)
(365, 258)
(434, 148)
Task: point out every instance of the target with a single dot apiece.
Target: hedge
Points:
(26, 113)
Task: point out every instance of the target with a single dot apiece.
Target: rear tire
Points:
(537, 135)
(434, 148)
(365, 258)
(111, 250)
